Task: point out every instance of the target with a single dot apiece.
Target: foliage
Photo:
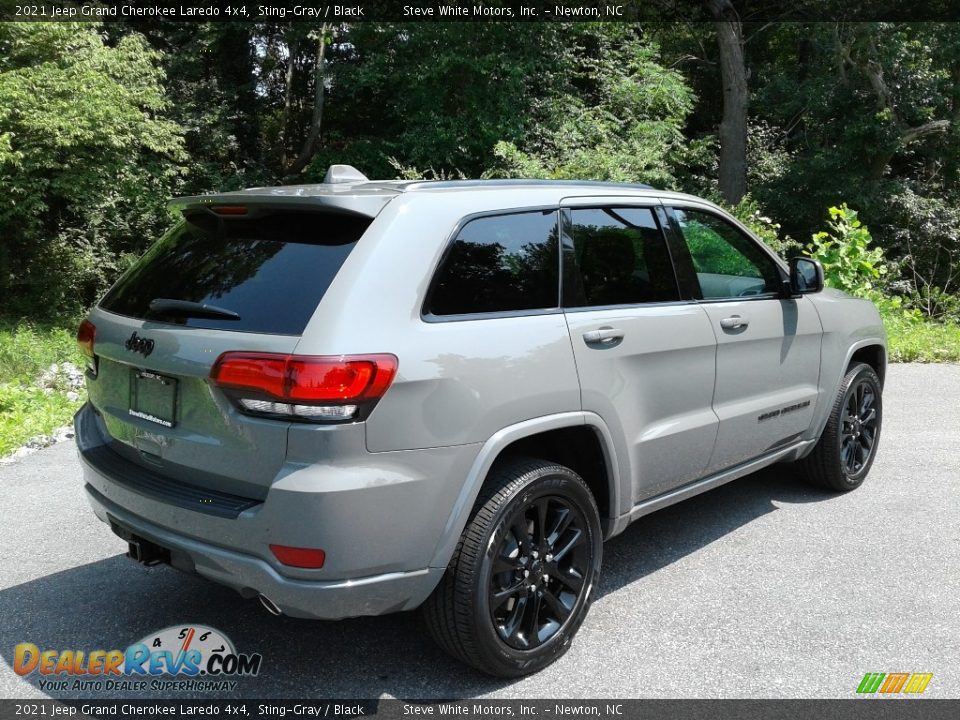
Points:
(27, 410)
(913, 339)
(86, 163)
(439, 95)
(850, 263)
(625, 123)
(749, 212)
(926, 232)
(100, 124)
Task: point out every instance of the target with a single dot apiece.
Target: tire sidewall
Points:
(862, 373)
(548, 481)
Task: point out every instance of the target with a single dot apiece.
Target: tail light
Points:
(86, 334)
(306, 387)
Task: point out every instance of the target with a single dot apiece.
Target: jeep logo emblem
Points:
(137, 344)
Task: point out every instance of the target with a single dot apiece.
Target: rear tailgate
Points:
(208, 442)
(249, 282)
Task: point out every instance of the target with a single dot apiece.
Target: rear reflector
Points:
(299, 557)
(85, 337)
(310, 387)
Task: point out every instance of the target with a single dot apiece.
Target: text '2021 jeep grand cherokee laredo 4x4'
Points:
(362, 397)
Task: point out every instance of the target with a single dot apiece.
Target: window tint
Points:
(272, 269)
(622, 258)
(497, 264)
(727, 262)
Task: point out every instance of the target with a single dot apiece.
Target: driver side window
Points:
(727, 263)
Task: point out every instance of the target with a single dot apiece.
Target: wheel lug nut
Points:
(549, 557)
(526, 573)
(534, 554)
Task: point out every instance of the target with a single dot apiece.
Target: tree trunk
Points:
(292, 47)
(313, 135)
(736, 99)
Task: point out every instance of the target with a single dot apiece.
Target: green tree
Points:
(86, 161)
(622, 118)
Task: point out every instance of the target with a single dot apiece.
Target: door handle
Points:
(734, 322)
(603, 336)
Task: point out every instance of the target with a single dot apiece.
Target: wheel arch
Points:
(873, 352)
(579, 440)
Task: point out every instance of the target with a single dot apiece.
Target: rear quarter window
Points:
(271, 269)
(499, 263)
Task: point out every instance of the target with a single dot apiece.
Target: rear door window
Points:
(622, 258)
(499, 263)
(271, 269)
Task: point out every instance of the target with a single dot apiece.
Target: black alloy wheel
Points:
(859, 427)
(540, 571)
(519, 583)
(848, 444)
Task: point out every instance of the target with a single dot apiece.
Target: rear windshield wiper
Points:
(188, 308)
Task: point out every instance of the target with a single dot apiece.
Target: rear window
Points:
(271, 269)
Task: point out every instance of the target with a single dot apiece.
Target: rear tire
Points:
(520, 581)
(848, 445)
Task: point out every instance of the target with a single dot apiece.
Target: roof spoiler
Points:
(337, 174)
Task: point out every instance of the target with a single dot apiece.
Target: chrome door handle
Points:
(733, 322)
(603, 336)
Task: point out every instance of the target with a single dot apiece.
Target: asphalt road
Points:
(761, 588)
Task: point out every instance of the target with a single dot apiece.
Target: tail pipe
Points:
(270, 605)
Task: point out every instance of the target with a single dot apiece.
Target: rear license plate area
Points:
(153, 397)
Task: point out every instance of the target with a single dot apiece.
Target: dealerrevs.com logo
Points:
(180, 657)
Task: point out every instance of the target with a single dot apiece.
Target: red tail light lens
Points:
(85, 337)
(307, 379)
(299, 557)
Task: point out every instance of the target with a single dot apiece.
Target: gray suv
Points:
(363, 397)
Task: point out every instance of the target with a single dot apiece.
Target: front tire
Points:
(519, 584)
(847, 447)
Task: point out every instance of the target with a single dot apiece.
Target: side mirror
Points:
(806, 276)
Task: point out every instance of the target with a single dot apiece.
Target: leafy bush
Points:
(850, 262)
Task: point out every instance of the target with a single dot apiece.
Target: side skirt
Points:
(790, 452)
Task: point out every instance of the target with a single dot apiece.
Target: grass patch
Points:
(922, 340)
(27, 410)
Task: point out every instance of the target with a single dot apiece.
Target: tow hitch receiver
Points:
(146, 552)
(140, 549)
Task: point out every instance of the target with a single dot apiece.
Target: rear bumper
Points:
(380, 518)
(252, 576)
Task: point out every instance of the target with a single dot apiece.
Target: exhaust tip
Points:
(270, 606)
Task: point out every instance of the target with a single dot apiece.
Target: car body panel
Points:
(767, 375)
(653, 389)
